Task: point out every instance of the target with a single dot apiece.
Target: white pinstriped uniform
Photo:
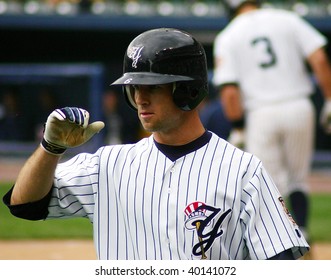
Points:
(136, 199)
(264, 51)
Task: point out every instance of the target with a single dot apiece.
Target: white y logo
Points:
(134, 54)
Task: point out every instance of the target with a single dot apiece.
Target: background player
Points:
(182, 193)
(260, 67)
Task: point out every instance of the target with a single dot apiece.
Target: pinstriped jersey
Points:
(216, 202)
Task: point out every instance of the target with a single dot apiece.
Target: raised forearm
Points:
(35, 178)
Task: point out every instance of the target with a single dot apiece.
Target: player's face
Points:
(156, 109)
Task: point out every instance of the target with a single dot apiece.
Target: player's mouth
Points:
(145, 115)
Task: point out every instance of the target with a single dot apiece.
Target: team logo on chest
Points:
(199, 216)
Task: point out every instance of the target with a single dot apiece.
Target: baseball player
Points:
(265, 88)
(181, 193)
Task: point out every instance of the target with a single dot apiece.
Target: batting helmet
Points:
(232, 6)
(162, 56)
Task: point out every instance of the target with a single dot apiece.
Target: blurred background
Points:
(57, 53)
(66, 52)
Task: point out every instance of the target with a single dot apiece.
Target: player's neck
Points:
(176, 152)
(187, 133)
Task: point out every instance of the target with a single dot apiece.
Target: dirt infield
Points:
(84, 250)
(47, 250)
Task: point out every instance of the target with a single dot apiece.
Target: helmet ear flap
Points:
(187, 95)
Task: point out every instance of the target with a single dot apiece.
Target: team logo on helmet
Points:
(135, 53)
(199, 217)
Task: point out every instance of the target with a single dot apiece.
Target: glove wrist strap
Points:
(52, 148)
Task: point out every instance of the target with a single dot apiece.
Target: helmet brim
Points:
(147, 78)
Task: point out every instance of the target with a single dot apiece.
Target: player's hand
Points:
(68, 127)
(237, 138)
(325, 118)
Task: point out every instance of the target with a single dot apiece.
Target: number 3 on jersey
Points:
(266, 52)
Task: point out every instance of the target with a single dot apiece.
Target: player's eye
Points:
(155, 87)
(148, 88)
(132, 89)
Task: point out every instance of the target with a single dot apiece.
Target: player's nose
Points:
(141, 96)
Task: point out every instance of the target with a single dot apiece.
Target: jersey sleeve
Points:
(268, 226)
(309, 38)
(74, 187)
(225, 71)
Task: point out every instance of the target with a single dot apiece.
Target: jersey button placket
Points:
(172, 209)
(172, 170)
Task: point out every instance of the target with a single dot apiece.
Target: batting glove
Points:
(237, 138)
(67, 128)
(325, 118)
